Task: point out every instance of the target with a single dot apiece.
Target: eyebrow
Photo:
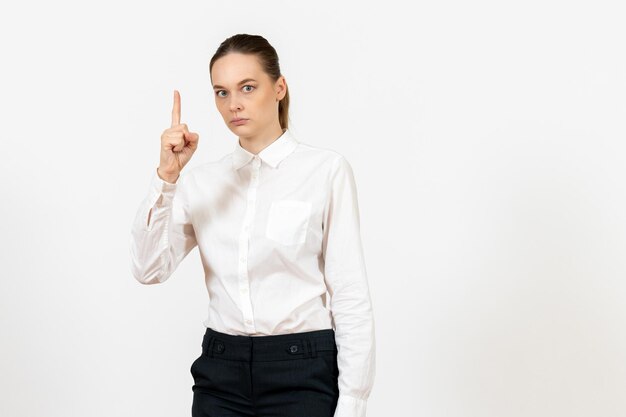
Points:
(240, 82)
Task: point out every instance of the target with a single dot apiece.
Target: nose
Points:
(235, 106)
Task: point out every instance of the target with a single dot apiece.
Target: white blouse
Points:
(275, 232)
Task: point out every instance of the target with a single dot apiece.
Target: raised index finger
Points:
(176, 109)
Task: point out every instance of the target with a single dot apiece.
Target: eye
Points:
(217, 93)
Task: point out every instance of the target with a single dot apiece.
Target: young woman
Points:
(276, 222)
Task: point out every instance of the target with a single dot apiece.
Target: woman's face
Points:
(243, 90)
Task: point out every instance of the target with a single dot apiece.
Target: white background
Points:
(487, 142)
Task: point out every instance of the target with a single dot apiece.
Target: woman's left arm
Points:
(350, 302)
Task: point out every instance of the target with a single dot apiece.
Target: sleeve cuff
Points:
(160, 187)
(166, 186)
(348, 406)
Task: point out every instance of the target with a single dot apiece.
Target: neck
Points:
(260, 140)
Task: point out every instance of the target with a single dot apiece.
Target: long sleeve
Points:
(162, 234)
(350, 303)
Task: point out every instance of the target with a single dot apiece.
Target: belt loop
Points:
(305, 347)
(313, 347)
(210, 346)
(307, 343)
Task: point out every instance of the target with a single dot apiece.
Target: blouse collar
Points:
(271, 154)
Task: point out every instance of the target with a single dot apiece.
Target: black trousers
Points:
(286, 375)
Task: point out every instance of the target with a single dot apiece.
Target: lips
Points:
(238, 119)
(239, 122)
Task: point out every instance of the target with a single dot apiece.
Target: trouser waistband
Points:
(267, 348)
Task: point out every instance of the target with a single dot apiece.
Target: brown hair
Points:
(267, 56)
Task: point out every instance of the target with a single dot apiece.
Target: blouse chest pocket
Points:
(288, 221)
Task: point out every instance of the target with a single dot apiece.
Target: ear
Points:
(281, 87)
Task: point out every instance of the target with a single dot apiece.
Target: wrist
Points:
(171, 178)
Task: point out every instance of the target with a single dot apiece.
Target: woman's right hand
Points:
(177, 145)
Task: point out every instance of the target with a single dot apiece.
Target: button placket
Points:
(244, 237)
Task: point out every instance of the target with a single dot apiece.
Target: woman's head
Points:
(247, 83)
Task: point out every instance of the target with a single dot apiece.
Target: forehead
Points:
(234, 67)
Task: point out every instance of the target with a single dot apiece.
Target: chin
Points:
(240, 130)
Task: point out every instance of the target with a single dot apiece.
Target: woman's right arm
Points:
(162, 233)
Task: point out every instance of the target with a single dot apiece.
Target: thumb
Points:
(179, 146)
